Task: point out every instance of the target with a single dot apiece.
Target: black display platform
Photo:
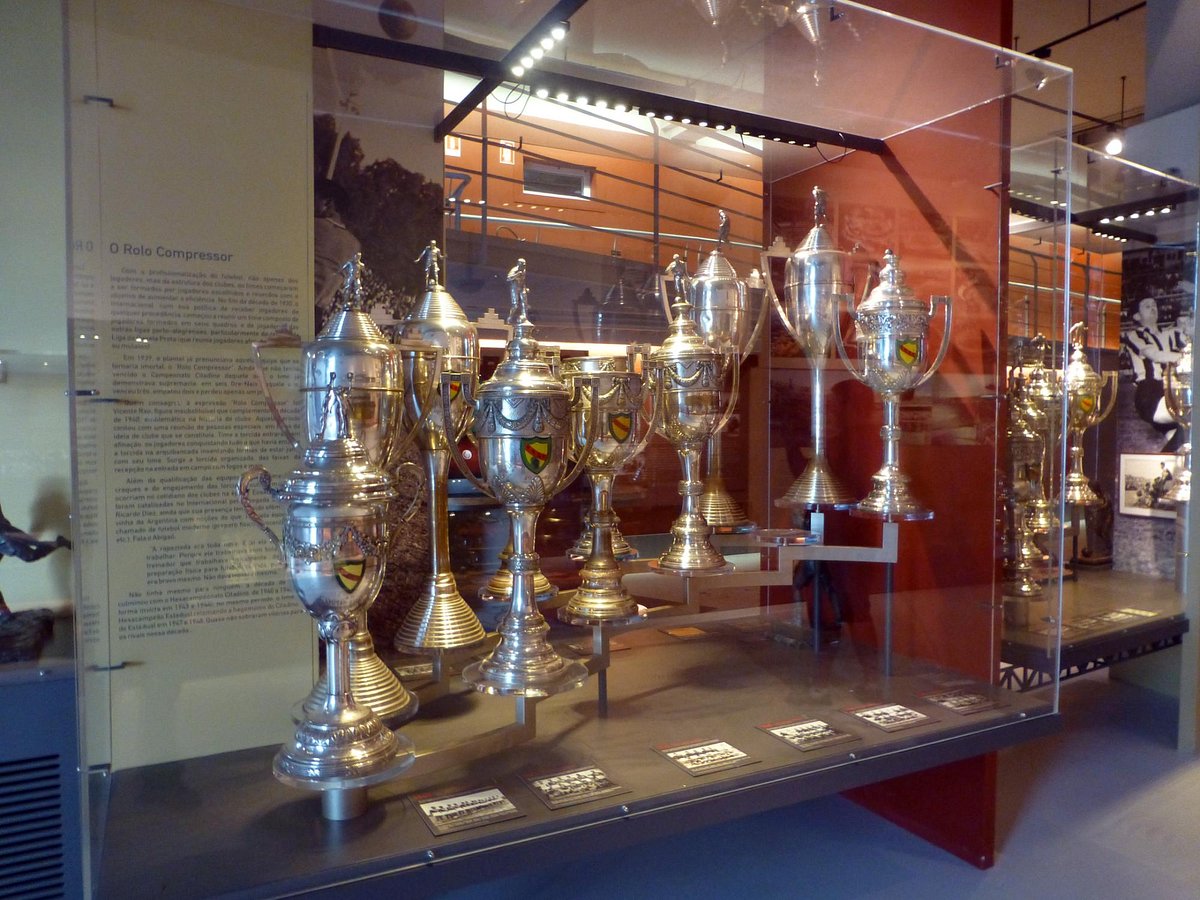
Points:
(222, 825)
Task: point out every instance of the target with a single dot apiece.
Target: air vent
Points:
(31, 829)
(557, 180)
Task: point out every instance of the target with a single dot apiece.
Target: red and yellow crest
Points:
(908, 351)
(349, 573)
(535, 453)
(619, 426)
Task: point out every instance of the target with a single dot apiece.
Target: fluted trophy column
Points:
(522, 430)
(892, 334)
(440, 619)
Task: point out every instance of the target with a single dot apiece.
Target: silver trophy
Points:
(1177, 393)
(686, 377)
(892, 334)
(1041, 396)
(352, 347)
(1086, 408)
(1026, 452)
(522, 427)
(728, 314)
(816, 279)
(440, 619)
(334, 549)
(572, 369)
(618, 398)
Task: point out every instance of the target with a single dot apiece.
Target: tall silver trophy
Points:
(1026, 452)
(1086, 408)
(1177, 393)
(441, 619)
(618, 398)
(574, 369)
(334, 549)
(522, 427)
(686, 374)
(816, 278)
(729, 322)
(352, 348)
(892, 333)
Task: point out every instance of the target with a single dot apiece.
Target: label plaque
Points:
(963, 701)
(448, 813)
(808, 734)
(573, 786)
(890, 716)
(702, 757)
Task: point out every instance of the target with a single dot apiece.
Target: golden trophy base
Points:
(890, 499)
(439, 620)
(816, 487)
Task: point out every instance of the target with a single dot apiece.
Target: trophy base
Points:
(600, 598)
(722, 512)
(1081, 494)
(657, 565)
(816, 487)
(439, 620)
(582, 548)
(372, 683)
(345, 797)
(499, 588)
(890, 500)
(345, 750)
(588, 618)
(551, 676)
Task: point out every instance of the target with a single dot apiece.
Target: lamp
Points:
(1115, 143)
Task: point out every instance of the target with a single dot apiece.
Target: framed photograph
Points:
(572, 786)
(1145, 479)
(891, 716)
(808, 734)
(448, 813)
(702, 757)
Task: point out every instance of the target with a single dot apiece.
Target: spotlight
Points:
(559, 31)
(1114, 145)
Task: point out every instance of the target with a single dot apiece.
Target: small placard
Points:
(1139, 613)
(416, 670)
(1123, 616)
(808, 734)
(963, 701)
(890, 716)
(567, 788)
(585, 648)
(702, 757)
(686, 632)
(448, 813)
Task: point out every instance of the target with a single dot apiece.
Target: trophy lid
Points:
(683, 343)
(351, 322)
(716, 295)
(524, 368)
(437, 319)
(891, 294)
(337, 469)
(1080, 377)
(817, 261)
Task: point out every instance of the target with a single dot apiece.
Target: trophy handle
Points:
(287, 340)
(426, 406)
(593, 423)
(1111, 379)
(733, 394)
(650, 410)
(752, 341)
(840, 341)
(449, 378)
(419, 476)
(775, 300)
(263, 477)
(947, 308)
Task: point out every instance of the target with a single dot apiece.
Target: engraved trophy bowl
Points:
(352, 348)
(685, 374)
(334, 551)
(522, 429)
(1086, 408)
(615, 399)
(892, 333)
(1177, 393)
(440, 619)
(816, 277)
(572, 369)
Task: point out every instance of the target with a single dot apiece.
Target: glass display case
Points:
(527, 200)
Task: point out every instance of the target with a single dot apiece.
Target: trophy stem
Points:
(889, 497)
(371, 681)
(499, 586)
(1079, 492)
(524, 663)
(600, 596)
(817, 486)
(691, 552)
(716, 504)
(441, 618)
(582, 548)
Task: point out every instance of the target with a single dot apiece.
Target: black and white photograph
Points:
(808, 734)
(573, 786)
(891, 716)
(448, 813)
(963, 701)
(702, 757)
(1145, 479)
